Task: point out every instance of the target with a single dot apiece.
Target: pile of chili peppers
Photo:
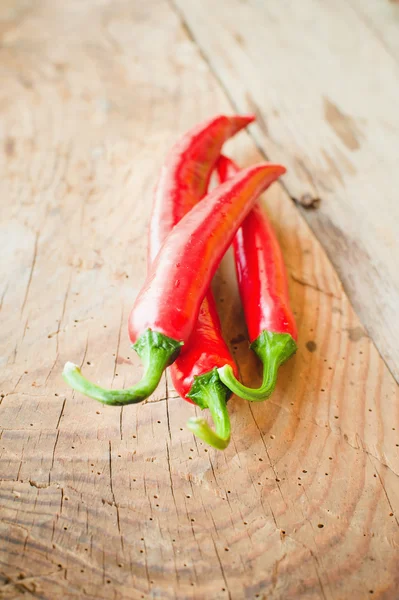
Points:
(174, 321)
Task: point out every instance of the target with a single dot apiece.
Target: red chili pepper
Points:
(262, 281)
(166, 310)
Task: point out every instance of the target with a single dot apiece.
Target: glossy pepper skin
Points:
(185, 175)
(166, 309)
(263, 286)
(205, 350)
(170, 299)
(183, 182)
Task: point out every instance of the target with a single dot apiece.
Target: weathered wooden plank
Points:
(382, 18)
(325, 89)
(127, 504)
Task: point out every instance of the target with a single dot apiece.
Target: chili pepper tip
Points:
(208, 391)
(156, 350)
(201, 429)
(70, 366)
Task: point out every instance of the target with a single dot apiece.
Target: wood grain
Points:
(324, 82)
(107, 503)
(382, 18)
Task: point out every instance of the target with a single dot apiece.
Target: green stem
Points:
(273, 350)
(156, 350)
(209, 392)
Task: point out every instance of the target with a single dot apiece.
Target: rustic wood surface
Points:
(382, 18)
(323, 77)
(115, 503)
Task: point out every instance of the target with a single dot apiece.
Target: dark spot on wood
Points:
(27, 83)
(356, 333)
(311, 346)
(120, 360)
(238, 339)
(308, 201)
(239, 39)
(9, 147)
(343, 125)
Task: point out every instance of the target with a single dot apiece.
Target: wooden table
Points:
(115, 503)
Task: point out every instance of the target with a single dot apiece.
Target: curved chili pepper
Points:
(167, 307)
(185, 175)
(263, 286)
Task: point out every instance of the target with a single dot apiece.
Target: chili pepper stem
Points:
(156, 351)
(273, 349)
(208, 391)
